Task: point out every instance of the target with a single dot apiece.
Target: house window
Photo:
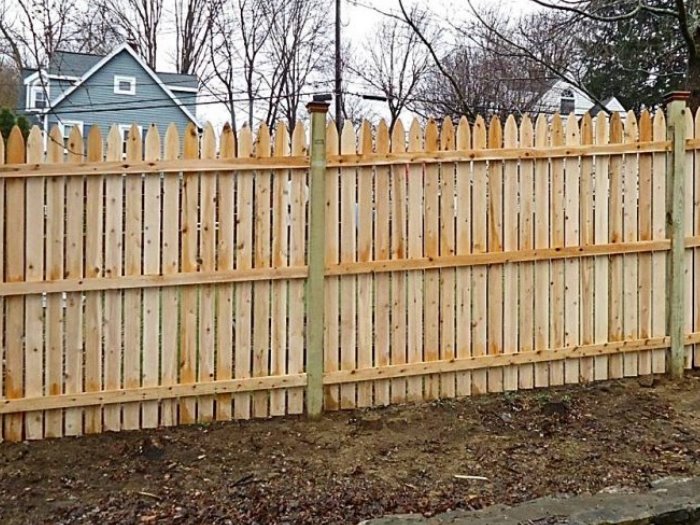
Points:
(567, 102)
(38, 97)
(124, 130)
(124, 85)
(66, 127)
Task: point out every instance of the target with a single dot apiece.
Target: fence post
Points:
(315, 292)
(675, 228)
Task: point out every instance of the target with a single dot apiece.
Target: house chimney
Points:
(133, 44)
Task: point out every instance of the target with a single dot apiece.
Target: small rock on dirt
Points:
(555, 408)
(152, 448)
(647, 381)
(370, 423)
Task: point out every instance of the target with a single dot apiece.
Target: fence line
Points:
(198, 278)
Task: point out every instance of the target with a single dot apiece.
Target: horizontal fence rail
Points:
(165, 281)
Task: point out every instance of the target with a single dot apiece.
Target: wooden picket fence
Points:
(169, 287)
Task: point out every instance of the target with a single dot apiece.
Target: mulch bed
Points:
(351, 466)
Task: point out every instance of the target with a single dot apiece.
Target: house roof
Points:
(96, 66)
(177, 80)
(73, 64)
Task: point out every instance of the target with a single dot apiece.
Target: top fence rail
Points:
(98, 155)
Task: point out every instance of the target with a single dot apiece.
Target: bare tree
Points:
(139, 22)
(298, 40)
(194, 23)
(494, 77)
(8, 87)
(546, 40)
(240, 32)
(96, 32)
(267, 54)
(395, 62)
(32, 30)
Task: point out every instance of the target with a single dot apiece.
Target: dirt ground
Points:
(354, 465)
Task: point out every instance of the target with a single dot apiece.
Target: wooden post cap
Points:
(317, 106)
(676, 95)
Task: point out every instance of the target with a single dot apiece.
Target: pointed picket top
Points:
(54, 146)
(207, 146)
(697, 123)
(365, 143)
(645, 132)
(464, 139)
(190, 147)
(15, 147)
(495, 133)
(245, 142)
(398, 137)
(541, 131)
(689, 124)
(152, 150)
(447, 135)
(299, 139)
(527, 133)
(35, 146)
(659, 125)
(414, 136)
(347, 139)
(331, 122)
(383, 142)
(510, 135)
(227, 146)
(76, 147)
(572, 132)
(557, 137)
(2, 150)
(602, 132)
(171, 144)
(281, 140)
(587, 129)
(95, 151)
(479, 132)
(262, 144)
(431, 136)
(114, 144)
(616, 128)
(631, 131)
(331, 138)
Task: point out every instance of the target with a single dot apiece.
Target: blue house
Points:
(83, 90)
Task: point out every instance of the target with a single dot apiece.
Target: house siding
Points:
(95, 102)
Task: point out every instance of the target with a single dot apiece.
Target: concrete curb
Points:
(668, 501)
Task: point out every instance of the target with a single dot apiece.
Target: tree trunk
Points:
(693, 82)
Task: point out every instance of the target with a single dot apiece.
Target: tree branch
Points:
(467, 110)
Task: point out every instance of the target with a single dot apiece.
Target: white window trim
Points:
(32, 89)
(118, 79)
(127, 127)
(64, 123)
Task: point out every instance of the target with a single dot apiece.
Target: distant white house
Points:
(565, 98)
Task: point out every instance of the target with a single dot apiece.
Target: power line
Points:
(160, 106)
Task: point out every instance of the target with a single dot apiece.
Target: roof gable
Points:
(103, 61)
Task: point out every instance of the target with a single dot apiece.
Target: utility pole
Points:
(338, 71)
